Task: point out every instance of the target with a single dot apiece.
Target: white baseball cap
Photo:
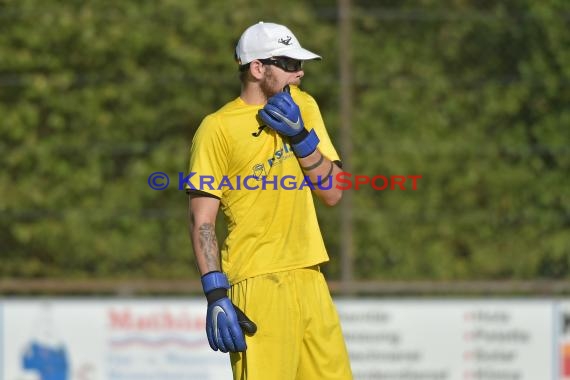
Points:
(265, 40)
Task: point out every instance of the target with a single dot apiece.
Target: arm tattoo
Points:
(326, 178)
(315, 165)
(209, 245)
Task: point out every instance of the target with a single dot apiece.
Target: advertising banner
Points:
(86, 339)
(564, 340)
(108, 340)
(449, 340)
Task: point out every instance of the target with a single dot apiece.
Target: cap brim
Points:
(297, 53)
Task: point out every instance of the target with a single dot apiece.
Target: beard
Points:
(269, 85)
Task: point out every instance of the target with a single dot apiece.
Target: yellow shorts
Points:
(298, 330)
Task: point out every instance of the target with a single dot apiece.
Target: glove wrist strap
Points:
(214, 280)
(304, 143)
(215, 295)
(295, 139)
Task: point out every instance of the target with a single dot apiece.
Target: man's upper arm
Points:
(209, 158)
(203, 209)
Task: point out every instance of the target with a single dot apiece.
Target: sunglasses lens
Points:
(292, 65)
(288, 64)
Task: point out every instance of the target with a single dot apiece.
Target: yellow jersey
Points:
(269, 209)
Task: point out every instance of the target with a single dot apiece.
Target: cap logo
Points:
(285, 41)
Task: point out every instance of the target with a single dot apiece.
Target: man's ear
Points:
(256, 69)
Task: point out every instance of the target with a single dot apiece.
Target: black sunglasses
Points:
(288, 64)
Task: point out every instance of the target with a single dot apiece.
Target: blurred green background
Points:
(472, 95)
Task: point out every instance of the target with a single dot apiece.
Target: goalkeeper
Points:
(268, 302)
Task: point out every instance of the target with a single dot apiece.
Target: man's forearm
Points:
(205, 246)
(322, 173)
(202, 228)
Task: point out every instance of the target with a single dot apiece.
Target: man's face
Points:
(275, 78)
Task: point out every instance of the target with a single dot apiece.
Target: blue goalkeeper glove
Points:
(224, 320)
(282, 114)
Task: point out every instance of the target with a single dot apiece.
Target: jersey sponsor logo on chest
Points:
(280, 155)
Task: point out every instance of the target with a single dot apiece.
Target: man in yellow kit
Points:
(268, 268)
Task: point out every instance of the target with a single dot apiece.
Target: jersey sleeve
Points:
(313, 119)
(209, 157)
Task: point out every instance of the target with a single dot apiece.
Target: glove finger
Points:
(247, 325)
(267, 117)
(238, 337)
(275, 113)
(222, 332)
(279, 102)
(210, 334)
(220, 343)
(275, 98)
(287, 99)
(228, 340)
